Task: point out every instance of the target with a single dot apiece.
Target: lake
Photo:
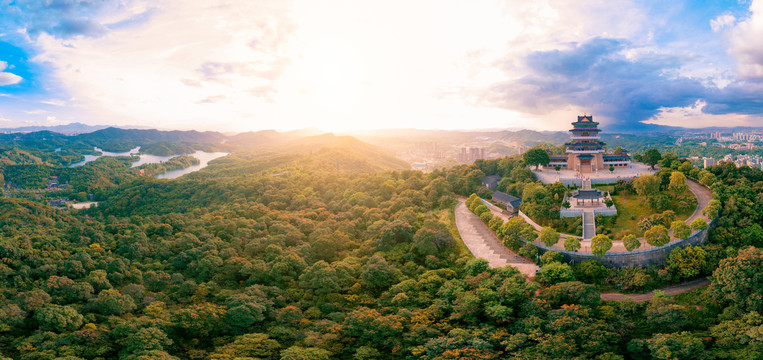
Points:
(89, 158)
(204, 159)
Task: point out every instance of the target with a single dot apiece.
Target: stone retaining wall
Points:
(644, 258)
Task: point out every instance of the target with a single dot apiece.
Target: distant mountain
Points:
(120, 140)
(68, 129)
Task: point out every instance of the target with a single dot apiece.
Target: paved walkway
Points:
(483, 243)
(589, 225)
(671, 290)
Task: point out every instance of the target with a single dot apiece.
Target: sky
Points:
(352, 65)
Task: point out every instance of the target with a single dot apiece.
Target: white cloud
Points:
(721, 22)
(7, 78)
(693, 117)
(747, 42)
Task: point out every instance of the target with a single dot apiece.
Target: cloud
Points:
(7, 78)
(68, 18)
(746, 46)
(210, 99)
(607, 77)
(721, 22)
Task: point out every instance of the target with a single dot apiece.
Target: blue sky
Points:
(343, 65)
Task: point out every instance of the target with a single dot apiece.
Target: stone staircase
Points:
(587, 184)
(589, 225)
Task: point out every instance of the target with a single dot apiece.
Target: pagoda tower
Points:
(585, 150)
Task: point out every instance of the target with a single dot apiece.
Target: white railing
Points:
(585, 151)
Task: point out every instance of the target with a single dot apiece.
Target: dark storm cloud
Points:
(598, 77)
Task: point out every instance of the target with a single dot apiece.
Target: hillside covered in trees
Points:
(330, 252)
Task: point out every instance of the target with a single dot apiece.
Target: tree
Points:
(58, 318)
(548, 236)
(678, 183)
(554, 273)
(657, 235)
(609, 202)
(631, 242)
(551, 256)
(145, 340)
(321, 278)
(680, 229)
(651, 157)
(688, 262)
(611, 169)
(514, 230)
(529, 250)
(676, 346)
(305, 353)
(698, 224)
(571, 243)
(570, 293)
(646, 185)
(600, 244)
(378, 274)
(557, 168)
(590, 271)
(737, 281)
(566, 204)
(112, 302)
(536, 156)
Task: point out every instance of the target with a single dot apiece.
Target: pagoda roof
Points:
(592, 144)
(585, 129)
(587, 194)
(585, 120)
(585, 156)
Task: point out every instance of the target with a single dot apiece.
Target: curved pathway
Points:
(670, 290)
(483, 243)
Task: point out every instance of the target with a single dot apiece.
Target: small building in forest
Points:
(510, 202)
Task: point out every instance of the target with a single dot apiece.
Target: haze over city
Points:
(346, 65)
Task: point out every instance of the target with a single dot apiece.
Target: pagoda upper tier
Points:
(585, 124)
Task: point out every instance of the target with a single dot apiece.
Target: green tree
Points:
(378, 274)
(680, 229)
(590, 271)
(145, 340)
(631, 242)
(678, 183)
(554, 273)
(600, 244)
(688, 262)
(112, 302)
(737, 281)
(571, 243)
(548, 236)
(646, 185)
(698, 224)
(58, 318)
(551, 256)
(305, 353)
(536, 156)
(676, 346)
(651, 157)
(321, 278)
(657, 235)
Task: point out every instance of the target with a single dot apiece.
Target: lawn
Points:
(630, 208)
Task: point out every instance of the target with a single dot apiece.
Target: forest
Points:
(335, 253)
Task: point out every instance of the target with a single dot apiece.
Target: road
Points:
(671, 290)
(483, 243)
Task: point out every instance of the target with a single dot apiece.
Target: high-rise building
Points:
(708, 162)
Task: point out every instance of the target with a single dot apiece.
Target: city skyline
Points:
(338, 66)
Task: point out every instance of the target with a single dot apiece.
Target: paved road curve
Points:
(484, 244)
